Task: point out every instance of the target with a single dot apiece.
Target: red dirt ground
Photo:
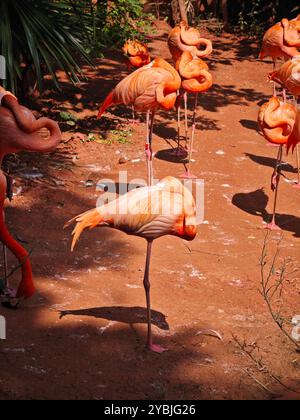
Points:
(96, 349)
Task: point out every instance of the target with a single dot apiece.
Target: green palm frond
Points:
(39, 35)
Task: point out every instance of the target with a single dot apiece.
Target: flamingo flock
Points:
(158, 85)
(279, 120)
(167, 208)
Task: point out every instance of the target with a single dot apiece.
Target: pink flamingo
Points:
(167, 208)
(149, 88)
(20, 131)
(280, 125)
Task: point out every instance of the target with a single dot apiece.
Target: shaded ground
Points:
(82, 335)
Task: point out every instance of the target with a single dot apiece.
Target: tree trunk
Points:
(175, 14)
(224, 8)
(183, 12)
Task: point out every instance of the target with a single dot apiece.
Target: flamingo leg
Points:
(188, 174)
(274, 83)
(185, 98)
(297, 185)
(5, 267)
(284, 95)
(179, 151)
(133, 121)
(275, 186)
(154, 347)
(148, 148)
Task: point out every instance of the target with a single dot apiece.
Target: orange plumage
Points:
(184, 38)
(277, 120)
(288, 76)
(148, 88)
(137, 54)
(281, 40)
(194, 73)
(168, 208)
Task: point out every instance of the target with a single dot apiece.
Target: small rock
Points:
(89, 183)
(123, 160)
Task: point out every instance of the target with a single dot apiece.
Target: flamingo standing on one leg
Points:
(20, 131)
(288, 77)
(277, 121)
(167, 208)
(279, 42)
(182, 39)
(195, 79)
(148, 88)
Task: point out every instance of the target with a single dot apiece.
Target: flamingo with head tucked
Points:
(136, 54)
(183, 40)
(282, 40)
(288, 77)
(149, 88)
(195, 79)
(167, 208)
(21, 131)
(280, 125)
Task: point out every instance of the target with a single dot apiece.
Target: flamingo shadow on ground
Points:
(169, 155)
(251, 125)
(132, 315)
(270, 162)
(255, 203)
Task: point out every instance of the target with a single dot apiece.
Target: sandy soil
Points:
(82, 335)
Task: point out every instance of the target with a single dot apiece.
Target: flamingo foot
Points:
(272, 226)
(156, 348)
(188, 175)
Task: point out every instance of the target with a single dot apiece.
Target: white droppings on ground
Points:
(102, 268)
(236, 282)
(36, 370)
(229, 242)
(228, 199)
(16, 350)
(220, 152)
(103, 329)
(168, 271)
(225, 185)
(133, 286)
(195, 273)
(59, 277)
(243, 318)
